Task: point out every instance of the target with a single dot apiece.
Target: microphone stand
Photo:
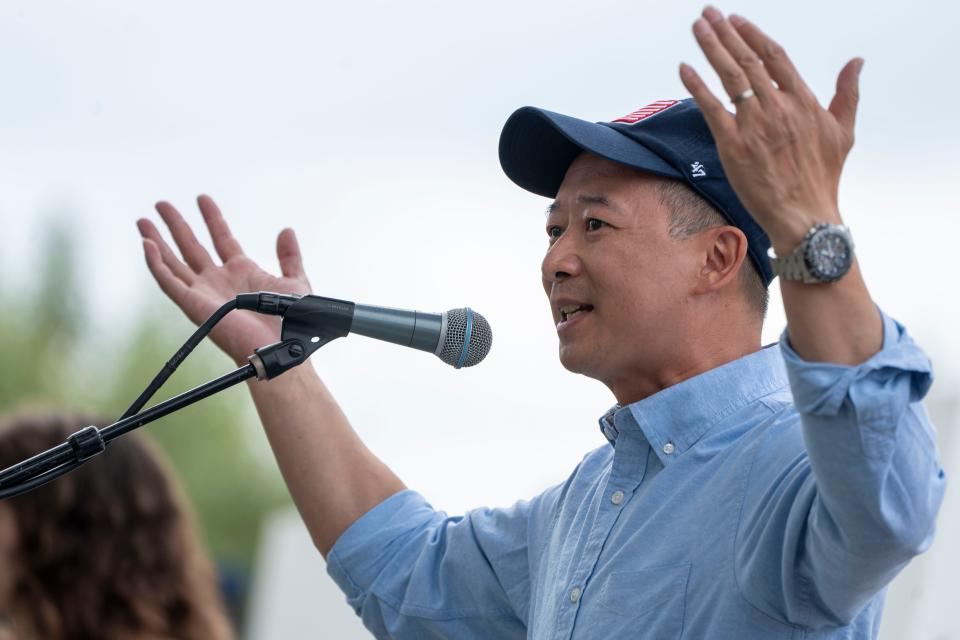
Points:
(308, 323)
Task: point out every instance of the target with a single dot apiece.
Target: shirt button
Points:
(617, 497)
(575, 595)
(669, 448)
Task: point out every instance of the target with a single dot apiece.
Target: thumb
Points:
(844, 103)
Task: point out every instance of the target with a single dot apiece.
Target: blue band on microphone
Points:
(466, 339)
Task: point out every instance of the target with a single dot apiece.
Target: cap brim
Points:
(537, 147)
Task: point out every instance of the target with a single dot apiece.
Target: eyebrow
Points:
(587, 198)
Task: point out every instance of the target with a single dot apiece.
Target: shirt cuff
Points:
(367, 546)
(819, 388)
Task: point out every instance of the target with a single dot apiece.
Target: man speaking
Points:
(744, 492)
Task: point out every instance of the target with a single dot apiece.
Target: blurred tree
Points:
(216, 445)
(35, 348)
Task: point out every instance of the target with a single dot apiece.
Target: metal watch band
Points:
(793, 266)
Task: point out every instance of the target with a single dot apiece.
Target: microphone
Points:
(459, 337)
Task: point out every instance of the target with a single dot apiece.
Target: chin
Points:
(575, 362)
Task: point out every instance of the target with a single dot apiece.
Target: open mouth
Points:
(569, 312)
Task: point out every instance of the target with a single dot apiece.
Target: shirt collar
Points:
(674, 419)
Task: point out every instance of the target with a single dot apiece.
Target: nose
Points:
(561, 261)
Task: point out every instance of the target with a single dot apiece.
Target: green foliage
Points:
(217, 447)
(38, 326)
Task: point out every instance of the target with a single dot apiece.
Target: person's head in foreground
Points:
(107, 551)
(641, 242)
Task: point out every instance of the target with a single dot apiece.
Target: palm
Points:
(199, 286)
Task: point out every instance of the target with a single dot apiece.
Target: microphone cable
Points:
(180, 356)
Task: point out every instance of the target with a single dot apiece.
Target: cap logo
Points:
(696, 170)
(643, 113)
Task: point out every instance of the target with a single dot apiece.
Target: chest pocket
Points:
(646, 603)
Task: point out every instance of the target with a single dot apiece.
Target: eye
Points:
(593, 224)
(554, 231)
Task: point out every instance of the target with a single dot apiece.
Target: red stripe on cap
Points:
(651, 109)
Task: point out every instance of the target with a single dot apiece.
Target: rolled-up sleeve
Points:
(876, 485)
(410, 571)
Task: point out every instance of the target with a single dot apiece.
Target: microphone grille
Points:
(460, 322)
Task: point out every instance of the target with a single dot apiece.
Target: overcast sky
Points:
(371, 128)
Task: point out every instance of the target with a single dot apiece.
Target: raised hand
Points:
(199, 286)
(782, 152)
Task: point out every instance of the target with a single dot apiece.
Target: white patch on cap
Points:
(643, 113)
(697, 171)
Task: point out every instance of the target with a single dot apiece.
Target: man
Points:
(744, 492)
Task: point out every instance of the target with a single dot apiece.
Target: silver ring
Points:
(746, 95)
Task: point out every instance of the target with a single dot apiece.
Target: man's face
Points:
(611, 257)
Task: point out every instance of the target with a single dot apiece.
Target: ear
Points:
(723, 251)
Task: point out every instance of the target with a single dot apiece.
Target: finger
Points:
(734, 79)
(288, 253)
(743, 55)
(775, 59)
(170, 284)
(722, 123)
(223, 241)
(193, 252)
(169, 258)
(844, 103)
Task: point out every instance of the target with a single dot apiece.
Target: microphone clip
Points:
(308, 323)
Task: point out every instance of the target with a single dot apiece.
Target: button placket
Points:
(627, 470)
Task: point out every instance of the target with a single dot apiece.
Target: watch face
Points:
(829, 254)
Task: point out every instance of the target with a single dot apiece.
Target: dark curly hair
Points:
(108, 551)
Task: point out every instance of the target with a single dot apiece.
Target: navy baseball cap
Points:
(668, 138)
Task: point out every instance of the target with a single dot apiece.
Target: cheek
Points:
(645, 285)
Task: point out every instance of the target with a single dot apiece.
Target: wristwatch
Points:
(825, 255)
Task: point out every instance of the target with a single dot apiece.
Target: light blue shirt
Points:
(722, 507)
